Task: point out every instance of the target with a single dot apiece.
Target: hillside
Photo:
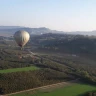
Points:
(62, 43)
(53, 55)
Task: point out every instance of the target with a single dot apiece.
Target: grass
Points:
(19, 69)
(72, 90)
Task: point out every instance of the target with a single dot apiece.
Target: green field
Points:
(19, 69)
(72, 90)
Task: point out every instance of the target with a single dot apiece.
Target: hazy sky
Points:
(66, 15)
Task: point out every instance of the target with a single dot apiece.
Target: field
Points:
(56, 65)
(71, 90)
(19, 69)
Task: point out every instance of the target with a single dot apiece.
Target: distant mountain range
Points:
(10, 30)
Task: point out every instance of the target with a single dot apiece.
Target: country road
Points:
(47, 86)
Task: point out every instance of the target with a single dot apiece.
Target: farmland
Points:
(19, 69)
(71, 90)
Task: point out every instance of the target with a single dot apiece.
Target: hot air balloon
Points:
(21, 37)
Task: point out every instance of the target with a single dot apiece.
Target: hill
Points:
(10, 30)
(62, 43)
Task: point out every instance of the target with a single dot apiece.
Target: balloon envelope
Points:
(21, 37)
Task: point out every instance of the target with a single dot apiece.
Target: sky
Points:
(62, 15)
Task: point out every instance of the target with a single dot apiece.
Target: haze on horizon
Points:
(65, 15)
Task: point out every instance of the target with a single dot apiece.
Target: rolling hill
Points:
(10, 30)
